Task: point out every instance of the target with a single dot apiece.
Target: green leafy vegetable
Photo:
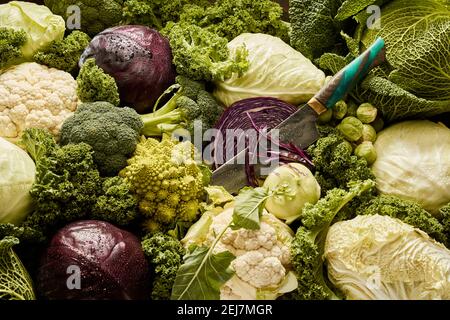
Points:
(95, 85)
(202, 274)
(11, 42)
(64, 54)
(248, 208)
(202, 55)
(165, 255)
(15, 282)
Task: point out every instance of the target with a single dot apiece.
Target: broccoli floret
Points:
(93, 84)
(96, 15)
(407, 211)
(202, 55)
(165, 256)
(11, 42)
(230, 18)
(116, 204)
(156, 13)
(64, 54)
(335, 165)
(189, 104)
(167, 181)
(307, 248)
(112, 132)
(24, 234)
(445, 221)
(67, 181)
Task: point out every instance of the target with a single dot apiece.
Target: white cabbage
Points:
(373, 257)
(413, 162)
(17, 173)
(275, 70)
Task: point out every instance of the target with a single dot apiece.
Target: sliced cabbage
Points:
(276, 70)
(17, 173)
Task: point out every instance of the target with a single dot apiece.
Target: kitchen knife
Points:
(300, 128)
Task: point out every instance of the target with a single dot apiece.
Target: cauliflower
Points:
(262, 264)
(35, 96)
(379, 257)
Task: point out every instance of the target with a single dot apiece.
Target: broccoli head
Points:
(165, 256)
(116, 204)
(203, 55)
(445, 220)
(93, 84)
(230, 18)
(64, 54)
(407, 211)
(335, 165)
(156, 13)
(96, 15)
(112, 132)
(307, 248)
(10, 43)
(190, 103)
(169, 184)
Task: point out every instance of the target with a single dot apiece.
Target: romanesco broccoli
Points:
(167, 181)
(190, 103)
(95, 85)
(165, 256)
(64, 54)
(112, 132)
(10, 43)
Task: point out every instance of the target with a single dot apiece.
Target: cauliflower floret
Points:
(35, 96)
(259, 271)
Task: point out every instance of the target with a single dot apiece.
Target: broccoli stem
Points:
(156, 124)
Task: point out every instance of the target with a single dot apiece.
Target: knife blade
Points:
(300, 128)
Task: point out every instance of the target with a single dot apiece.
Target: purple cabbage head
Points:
(138, 58)
(109, 261)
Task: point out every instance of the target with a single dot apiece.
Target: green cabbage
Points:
(413, 163)
(40, 24)
(17, 172)
(275, 70)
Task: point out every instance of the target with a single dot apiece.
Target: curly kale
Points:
(93, 84)
(96, 15)
(407, 211)
(445, 220)
(307, 248)
(190, 103)
(230, 18)
(112, 132)
(68, 186)
(11, 42)
(64, 54)
(165, 256)
(335, 165)
(156, 13)
(203, 55)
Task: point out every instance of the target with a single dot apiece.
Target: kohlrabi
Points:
(298, 187)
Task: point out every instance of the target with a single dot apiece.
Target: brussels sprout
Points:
(352, 106)
(326, 116)
(340, 110)
(368, 133)
(351, 128)
(367, 113)
(367, 151)
(378, 124)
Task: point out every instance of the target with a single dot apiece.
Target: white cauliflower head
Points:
(381, 258)
(262, 263)
(35, 96)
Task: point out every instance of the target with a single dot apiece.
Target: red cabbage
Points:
(138, 58)
(111, 262)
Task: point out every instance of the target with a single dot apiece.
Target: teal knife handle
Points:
(347, 78)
